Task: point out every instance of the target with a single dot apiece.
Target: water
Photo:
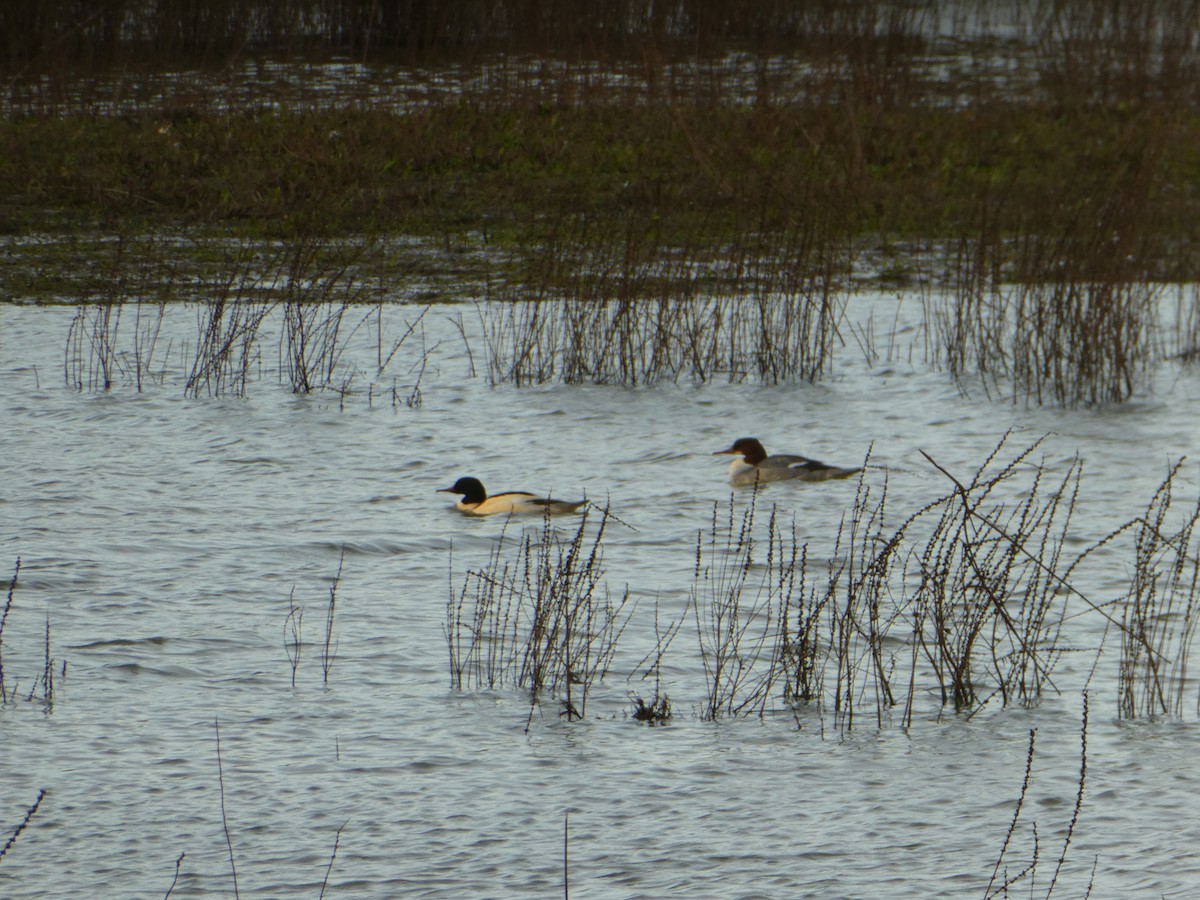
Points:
(164, 537)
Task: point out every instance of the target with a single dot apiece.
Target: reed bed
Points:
(1063, 305)
(1161, 608)
(100, 354)
(319, 289)
(635, 311)
(739, 602)
(961, 599)
(681, 189)
(1093, 52)
(538, 617)
(964, 602)
(987, 584)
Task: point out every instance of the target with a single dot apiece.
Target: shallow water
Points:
(163, 538)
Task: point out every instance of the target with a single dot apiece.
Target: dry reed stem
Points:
(329, 646)
(12, 586)
(1029, 870)
(542, 621)
(224, 817)
(29, 814)
(1161, 609)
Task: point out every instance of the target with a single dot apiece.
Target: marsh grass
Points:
(1061, 303)
(1159, 618)
(963, 600)
(739, 600)
(315, 295)
(679, 189)
(538, 616)
(1002, 881)
(630, 309)
(987, 583)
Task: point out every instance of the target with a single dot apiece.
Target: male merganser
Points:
(755, 467)
(476, 502)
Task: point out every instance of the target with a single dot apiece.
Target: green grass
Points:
(512, 174)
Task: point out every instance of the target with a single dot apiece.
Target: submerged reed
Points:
(628, 309)
(12, 586)
(24, 823)
(965, 596)
(739, 603)
(987, 583)
(538, 617)
(1002, 881)
(1161, 609)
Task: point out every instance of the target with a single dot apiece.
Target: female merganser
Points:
(476, 502)
(755, 467)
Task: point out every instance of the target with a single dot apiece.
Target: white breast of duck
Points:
(754, 466)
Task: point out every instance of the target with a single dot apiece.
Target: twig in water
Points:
(1012, 826)
(175, 880)
(292, 625)
(29, 814)
(4, 618)
(1062, 857)
(337, 839)
(224, 819)
(328, 653)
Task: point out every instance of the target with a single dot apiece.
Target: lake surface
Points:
(163, 540)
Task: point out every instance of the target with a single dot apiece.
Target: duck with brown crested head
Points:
(753, 466)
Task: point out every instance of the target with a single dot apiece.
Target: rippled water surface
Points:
(163, 538)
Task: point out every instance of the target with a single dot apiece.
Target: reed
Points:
(542, 621)
(632, 310)
(967, 592)
(985, 585)
(329, 645)
(337, 840)
(226, 347)
(1002, 881)
(24, 823)
(317, 290)
(224, 817)
(95, 359)
(1161, 608)
(55, 33)
(293, 627)
(8, 602)
(739, 602)
(1060, 303)
(46, 678)
(859, 611)
(130, 272)
(658, 710)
